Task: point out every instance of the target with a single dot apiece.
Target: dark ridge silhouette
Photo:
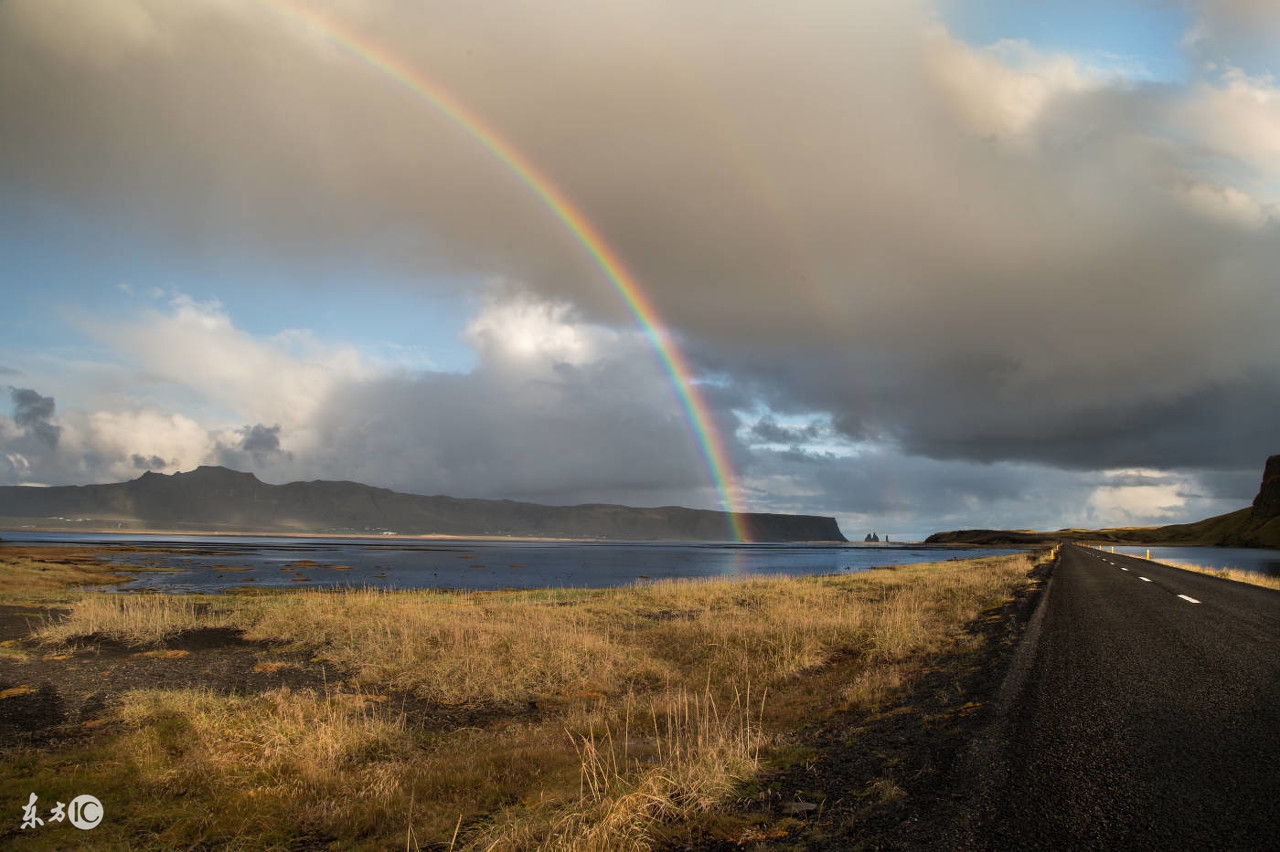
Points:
(222, 500)
(1254, 526)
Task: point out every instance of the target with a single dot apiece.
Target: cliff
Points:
(1266, 506)
(218, 499)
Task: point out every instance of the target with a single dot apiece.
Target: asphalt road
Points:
(1146, 714)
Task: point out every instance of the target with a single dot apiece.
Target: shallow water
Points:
(1245, 558)
(186, 563)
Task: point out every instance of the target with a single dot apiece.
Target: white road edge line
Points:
(1188, 599)
(1144, 579)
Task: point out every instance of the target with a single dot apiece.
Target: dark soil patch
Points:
(888, 780)
(56, 696)
(208, 639)
(17, 622)
(52, 698)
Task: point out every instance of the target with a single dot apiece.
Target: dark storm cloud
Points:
(1237, 487)
(260, 439)
(34, 413)
(258, 448)
(768, 430)
(42, 445)
(592, 434)
(840, 210)
(153, 463)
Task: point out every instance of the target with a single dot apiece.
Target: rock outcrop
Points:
(1266, 505)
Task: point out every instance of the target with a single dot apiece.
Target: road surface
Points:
(1145, 715)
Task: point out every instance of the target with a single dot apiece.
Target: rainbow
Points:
(698, 413)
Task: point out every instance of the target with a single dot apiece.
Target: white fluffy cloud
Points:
(195, 346)
(558, 409)
(1002, 90)
(1238, 118)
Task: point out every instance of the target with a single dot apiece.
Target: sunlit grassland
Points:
(1253, 578)
(41, 575)
(610, 714)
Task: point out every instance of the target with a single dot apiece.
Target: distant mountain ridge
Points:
(1255, 526)
(220, 499)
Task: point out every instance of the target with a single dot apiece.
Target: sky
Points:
(930, 265)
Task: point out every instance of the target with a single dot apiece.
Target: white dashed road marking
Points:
(1188, 599)
(1144, 579)
(1122, 568)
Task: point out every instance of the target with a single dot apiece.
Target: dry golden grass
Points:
(682, 754)
(139, 618)
(651, 703)
(50, 574)
(1253, 578)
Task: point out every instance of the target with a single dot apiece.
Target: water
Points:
(1258, 560)
(190, 563)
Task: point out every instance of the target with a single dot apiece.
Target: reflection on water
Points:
(217, 563)
(1259, 560)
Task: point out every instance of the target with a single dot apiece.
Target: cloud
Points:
(767, 430)
(1238, 117)
(1232, 27)
(33, 413)
(260, 439)
(194, 345)
(909, 496)
(255, 447)
(559, 409)
(41, 445)
(967, 257)
(155, 463)
(1001, 91)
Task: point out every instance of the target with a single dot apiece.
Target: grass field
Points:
(551, 719)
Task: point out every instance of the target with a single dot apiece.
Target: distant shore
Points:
(7, 526)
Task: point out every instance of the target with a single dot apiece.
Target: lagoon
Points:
(1257, 560)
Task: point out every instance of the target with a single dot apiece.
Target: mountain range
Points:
(218, 499)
